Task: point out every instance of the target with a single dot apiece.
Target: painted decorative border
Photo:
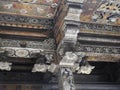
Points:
(47, 2)
(22, 21)
(45, 44)
(98, 49)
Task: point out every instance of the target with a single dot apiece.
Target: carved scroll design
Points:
(16, 48)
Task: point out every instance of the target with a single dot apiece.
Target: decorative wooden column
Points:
(66, 80)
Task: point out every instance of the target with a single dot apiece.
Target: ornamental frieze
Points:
(17, 20)
(98, 49)
(34, 1)
(94, 27)
(28, 48)
(98, 27)
(45, 44)
(28, 53)
(21, 52)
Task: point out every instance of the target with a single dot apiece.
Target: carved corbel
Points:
(5, 66)
(44, 68)
(45, 63)
(76, 62)
(71, 34)
(68, 60)
(82, 66)
(87, 69)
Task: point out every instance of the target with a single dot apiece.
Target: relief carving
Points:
(98, 49)
(5, 66)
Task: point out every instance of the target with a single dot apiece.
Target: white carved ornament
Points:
(5, 66)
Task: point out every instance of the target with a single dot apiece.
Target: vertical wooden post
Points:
(66, 79)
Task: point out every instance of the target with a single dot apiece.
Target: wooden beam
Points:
(24, 33)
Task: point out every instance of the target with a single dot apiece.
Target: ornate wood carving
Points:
(98, 49)
(25, 21)
(28, 13)
(80, 29)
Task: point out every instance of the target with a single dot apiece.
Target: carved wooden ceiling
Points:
(49, 32)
